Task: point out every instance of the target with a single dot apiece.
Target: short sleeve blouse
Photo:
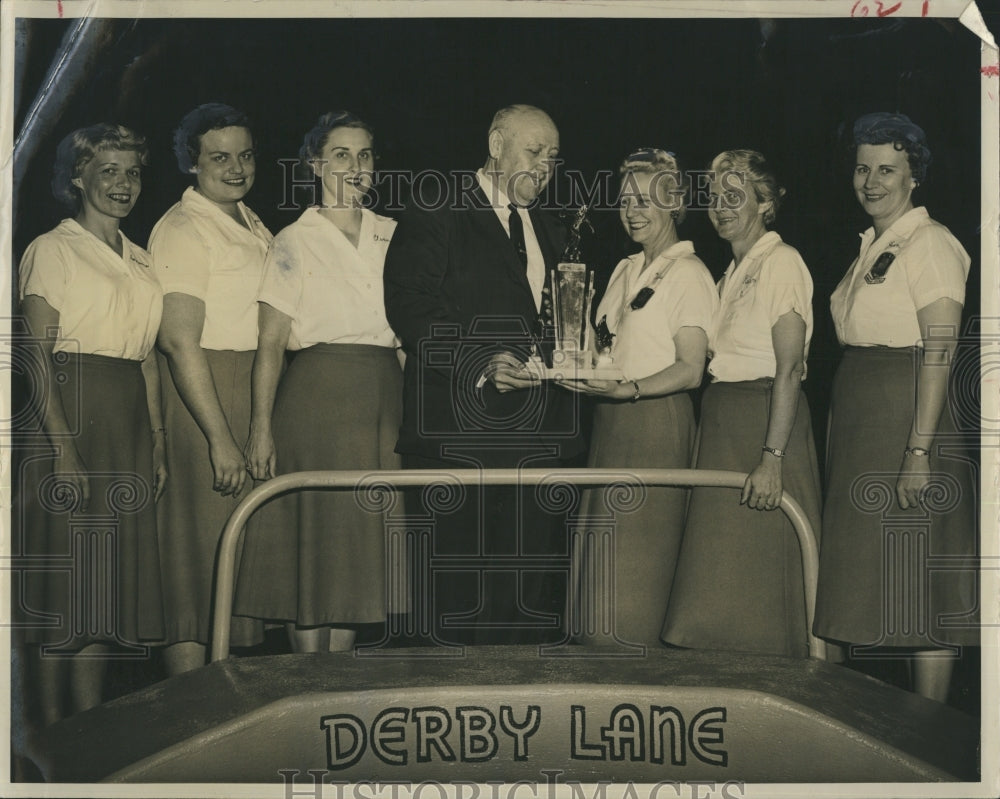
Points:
(108, 304)
(771, 280)
(200, 251)
(332, 291)
(684, 297)
(912, 264)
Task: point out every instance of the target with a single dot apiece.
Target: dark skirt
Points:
(191, 514)
(319, 557)
(90, 576)
(628, 540)
(738, 584)
(890, 577)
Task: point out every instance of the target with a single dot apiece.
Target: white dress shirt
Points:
(108, 304)
(771, 280)
(536, 261)
(881, 310)
(201, 251)
(685, 296)
(331, 290)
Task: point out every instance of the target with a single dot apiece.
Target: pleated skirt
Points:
(738, 584)
(890, 577)
(191, 514)
(90, 576)
(626, 540)
(319, 556)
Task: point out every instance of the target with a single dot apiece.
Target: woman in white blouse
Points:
(892, 440)
(209, 253)
(738, 584)
(91, 299)
(658, 307)
(316, 560)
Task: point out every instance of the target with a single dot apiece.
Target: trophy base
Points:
(570, 366)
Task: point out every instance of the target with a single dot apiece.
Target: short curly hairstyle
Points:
(883, 127)
(77, 149)
(196, 123)
(654, 161)
(315, 140)
(756, 170)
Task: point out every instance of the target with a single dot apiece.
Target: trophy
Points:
(571, 287)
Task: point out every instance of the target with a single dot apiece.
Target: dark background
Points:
(789, 88)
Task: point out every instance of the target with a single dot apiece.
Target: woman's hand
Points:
(43, 321)
(179, 340)
(914, 475)
(938, 322)
(159, 464)
(762, 489)
(259, 453)
(228, 467)
(609, 389)
(71, 469)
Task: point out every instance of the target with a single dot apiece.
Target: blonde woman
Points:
(739, 579)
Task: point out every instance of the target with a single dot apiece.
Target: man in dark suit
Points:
(463, 288)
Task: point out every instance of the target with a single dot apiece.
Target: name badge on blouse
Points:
(640, 299)
(877, 273)
(748, 283)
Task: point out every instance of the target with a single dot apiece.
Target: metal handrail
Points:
(232, 534)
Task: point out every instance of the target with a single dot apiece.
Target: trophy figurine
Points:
(571, 286)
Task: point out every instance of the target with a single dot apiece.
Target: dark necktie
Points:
(517, 235)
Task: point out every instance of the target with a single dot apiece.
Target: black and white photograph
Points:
(500, 399)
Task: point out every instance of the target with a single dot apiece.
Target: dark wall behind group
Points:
(790, 88)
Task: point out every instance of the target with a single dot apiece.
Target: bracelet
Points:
(156, 430)
(637, 393)
(919, 452)
(778, 453)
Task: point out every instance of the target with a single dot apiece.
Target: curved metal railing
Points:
(232, 534)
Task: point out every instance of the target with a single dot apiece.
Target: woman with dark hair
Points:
(317, 560)
(91, 299)
(897, 312)
(658, 309)
(738, 584)
(209, 254)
